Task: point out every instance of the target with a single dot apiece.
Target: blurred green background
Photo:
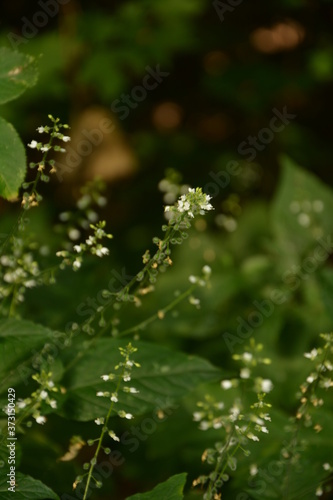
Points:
(229, 73)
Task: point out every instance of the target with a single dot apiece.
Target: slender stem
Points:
(100, 441)
(155, 316)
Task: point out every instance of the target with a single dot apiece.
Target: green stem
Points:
(155, 316)
(104, 430)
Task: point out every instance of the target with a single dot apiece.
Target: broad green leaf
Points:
(20, 341)
(12, 161)
(164, 376)
(301, 213)
(172, 489)
(18, 72)
(27, 488)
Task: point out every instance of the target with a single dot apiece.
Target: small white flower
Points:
(207, 270)
(253, 469)
(76, 265)
(53, 403)
(266, 385)
(245, 373)
(250, 435)
(40, 420)
(204, 425)
(114, 397)
(113, 435)
(133, 390)
(40, 129)
(247, 356)
(21, 404)
(43, 394)
(197, 416)
(226, 384)
(102, 251)
(100, 393)
(311, 355)
(66, 138)
(129, 416)
(310, 379)
(319, 491)
(192, 279)
(77, 248)
(105, 377)
(264, 429)
(33, 144)
(326, 466)
(99, 421)
(45, 148)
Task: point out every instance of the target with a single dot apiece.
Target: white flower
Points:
(245, 373)
(129, 416)
(40, 129)
(197, 416)
(40, 420)
(192, 279)
(113, 435)
(45, 148)
(76, 265)
(53, 403)
(21, 404)
(250, 435)
(310, 379)
(319, 491)
(100, 393)
(264, 429)
(99, 421)
(77, 248)
(226, 384)
(266, 385)
(33, 144)
(114, 397)
(43, 394)
(247, 356)
(326, 466)
(253, 469)
(207, 270)
(102, 251)
(105, 377)
(66, 138)
(90, 241)
(204, 425)
(311, 355)
(133, 390)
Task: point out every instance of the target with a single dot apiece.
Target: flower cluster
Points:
(125, 367)
(44, 167)
(189, 205)
(92, 245)
(41, 398)
(19, 271)
(241, 425)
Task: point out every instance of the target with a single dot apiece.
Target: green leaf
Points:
(19, 344)
(27, 488)
(12, 161)
(301, 212)
(172, 489)
(18, 72)
(164, 376)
